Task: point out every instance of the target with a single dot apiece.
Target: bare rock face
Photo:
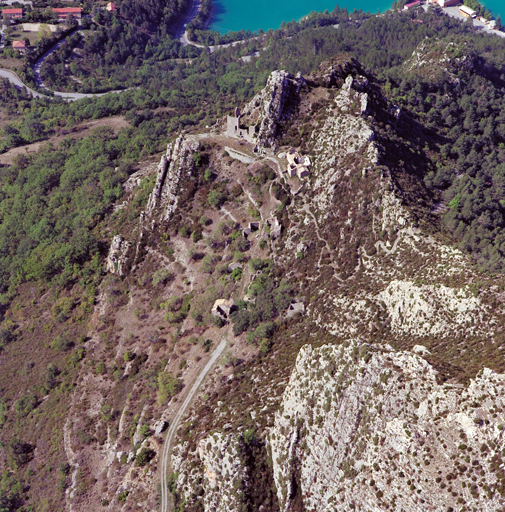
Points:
(117, 255)
(161, 173)
(223, 472)
(160, 427)
(177, 161)
(333, 72)
(372, 428)
(282, 89)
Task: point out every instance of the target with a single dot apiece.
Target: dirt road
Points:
(166, 504)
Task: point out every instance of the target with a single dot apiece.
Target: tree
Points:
(61, 344)
(44, 32)
(128, 356)
(52, 373)
(215, 198)
(18, 453)
(499, 25)
(86, 23)
(144, 457)
(168, 386)
(70, 21)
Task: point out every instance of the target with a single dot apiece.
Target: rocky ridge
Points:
(374, 276)
(176, 161)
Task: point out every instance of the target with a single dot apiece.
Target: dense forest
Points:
(464, 113)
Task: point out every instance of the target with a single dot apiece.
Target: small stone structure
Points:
(297, 165)
(253, 226)
(294, 308)
(222, 308)
(275, 228)
(234, 129)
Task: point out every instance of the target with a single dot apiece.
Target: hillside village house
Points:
(12, 14)
(406, 7)
(111, 7)
(297, 164)
(20, 46)
(64, 12)
(223, 308)
(445, 3)
(467, 12)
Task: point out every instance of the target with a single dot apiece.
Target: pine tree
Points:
(499, 25)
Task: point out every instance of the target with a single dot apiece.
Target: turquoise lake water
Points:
(266, 14)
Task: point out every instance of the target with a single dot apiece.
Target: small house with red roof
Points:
(20, 46)
(64, 12)
(12, 14)
(111, 7)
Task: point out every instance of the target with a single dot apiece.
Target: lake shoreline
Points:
(234, 15)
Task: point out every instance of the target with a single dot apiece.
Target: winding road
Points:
(15, 79)
(165, 501)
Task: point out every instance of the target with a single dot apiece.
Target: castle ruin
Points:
(235, 130)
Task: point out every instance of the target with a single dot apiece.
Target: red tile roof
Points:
(18, 44)
(12, 11)
(111, 6)
(68, 10)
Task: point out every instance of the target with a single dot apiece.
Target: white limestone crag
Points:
(430, 309)
(177, 161)
(224, 472)
(281, 89)
(365, 428)
(117, 255)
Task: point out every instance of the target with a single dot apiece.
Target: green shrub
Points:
(62, 344)
(100, 368)
(121, 498)
(162, 276)
(215, 198)
(145, 431)
(128, 356)
(196, 236)
(263, 331)
(144, 457)
(25, 405)
(168, 386)
(236, 274)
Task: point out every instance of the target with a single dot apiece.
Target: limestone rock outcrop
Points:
(117, 255)
(177, 161)
(223, 472)
(362, 425)
(271, 105)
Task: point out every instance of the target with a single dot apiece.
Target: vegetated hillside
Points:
(95, 363)
(114, 45)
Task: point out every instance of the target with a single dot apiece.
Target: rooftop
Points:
(67, 10)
